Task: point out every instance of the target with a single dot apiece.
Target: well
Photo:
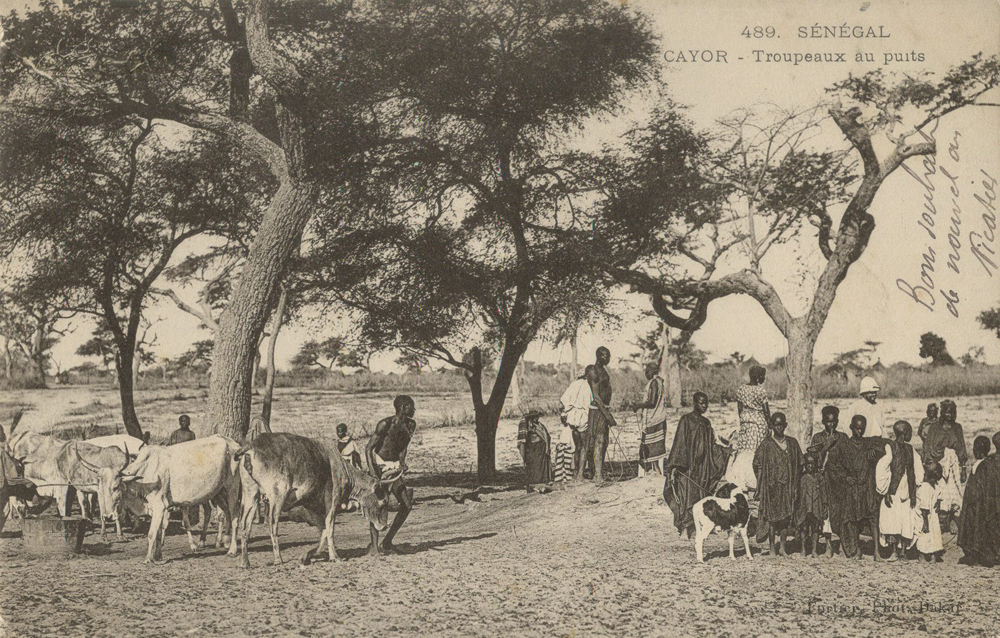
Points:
(54, 536)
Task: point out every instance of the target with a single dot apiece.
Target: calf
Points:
(728, 510)
(294, 471)
(190, 473)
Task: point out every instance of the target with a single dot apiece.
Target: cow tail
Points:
(243, 450)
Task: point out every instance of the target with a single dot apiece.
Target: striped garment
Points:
(654, 445)
(564, 462)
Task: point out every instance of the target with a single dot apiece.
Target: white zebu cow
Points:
(124, 442)
(191, 473)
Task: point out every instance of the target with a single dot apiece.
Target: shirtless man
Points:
(596, 439)
(386, 455)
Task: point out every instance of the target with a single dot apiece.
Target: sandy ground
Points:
(579, 562)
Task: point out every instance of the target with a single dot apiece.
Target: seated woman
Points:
(533, 442)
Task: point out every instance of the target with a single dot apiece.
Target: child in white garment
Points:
(927, 525)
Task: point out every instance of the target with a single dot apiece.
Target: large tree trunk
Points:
(279, 319)
(798, 367)
(670, 369)
(488, 413)
(279, 234)
(243, 320)
(487, 419)
(126, 392)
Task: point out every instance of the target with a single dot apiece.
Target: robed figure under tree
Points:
(694, 466)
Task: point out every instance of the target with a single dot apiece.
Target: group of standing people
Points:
(872, 481)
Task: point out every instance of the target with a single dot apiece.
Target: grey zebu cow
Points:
(190, 473)
(38, 452)
(54, 465)
(294, 471)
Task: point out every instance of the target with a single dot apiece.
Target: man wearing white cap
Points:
(868, 407)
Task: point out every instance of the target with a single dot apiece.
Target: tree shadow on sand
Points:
(416, 548)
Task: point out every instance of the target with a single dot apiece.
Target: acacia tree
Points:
(989, 319)
(934, 348)
(97, 213)
(103, 346)
(192, 63)
(312, 353)
(459, 253)
(29, 320)
(780, 181)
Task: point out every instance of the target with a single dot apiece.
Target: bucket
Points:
(54, 536)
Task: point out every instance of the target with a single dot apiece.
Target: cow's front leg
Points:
(158, 514)
(331, 517)
(186, 518)
(732, 540)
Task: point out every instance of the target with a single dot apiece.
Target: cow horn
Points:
(89, 466)
(16, 419)
(125, 443)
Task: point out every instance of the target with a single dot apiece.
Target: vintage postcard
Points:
(499, 317)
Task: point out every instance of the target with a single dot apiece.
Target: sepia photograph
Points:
(558, 318)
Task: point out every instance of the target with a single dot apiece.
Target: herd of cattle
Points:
(284, 470)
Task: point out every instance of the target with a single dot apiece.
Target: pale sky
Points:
(868, 306)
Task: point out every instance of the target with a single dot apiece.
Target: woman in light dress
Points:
(755, 415)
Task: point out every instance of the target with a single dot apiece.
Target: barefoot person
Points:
(600, 419)
(927, 532)
(695, 464)
(653, 418)
(778, 467)
(822, 443)
(903, 471)
(576, 402)
(944, 443)
(850, 473)
(811, 511)
(386, 456)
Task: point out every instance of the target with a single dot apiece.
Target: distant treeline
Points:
(720, 382)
